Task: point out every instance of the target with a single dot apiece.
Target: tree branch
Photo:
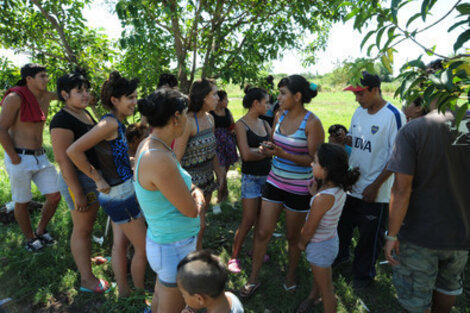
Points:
(441, 19)
(71, 55)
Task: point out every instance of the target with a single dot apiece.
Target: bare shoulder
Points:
(13, 99)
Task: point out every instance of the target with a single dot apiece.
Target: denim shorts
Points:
(121, 203)
(252, 185)
(164, 258)
(88, 186)
(323, 253)
(31, 168)
(422, 270)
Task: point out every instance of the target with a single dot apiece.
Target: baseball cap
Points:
(367, 81)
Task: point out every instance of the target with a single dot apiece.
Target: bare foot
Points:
(308, 304)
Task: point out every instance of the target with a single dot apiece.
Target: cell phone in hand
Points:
(267, 145)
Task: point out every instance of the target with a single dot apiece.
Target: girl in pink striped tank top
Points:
(318, 236)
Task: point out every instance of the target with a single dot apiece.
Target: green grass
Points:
(48, 281)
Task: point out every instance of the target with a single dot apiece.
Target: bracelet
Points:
(391, 238)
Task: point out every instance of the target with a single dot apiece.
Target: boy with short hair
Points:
(201, 279)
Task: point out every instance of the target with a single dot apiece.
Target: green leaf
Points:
(463, 38)
(370, 48)
(386, 63)
(366, 38)
(427, 93)
(436, 81)
(351, 14)
(379, 36)
(414, 17)
(464, 8)
(431, 53)
(424, 9)
(394, 8)
(455, 64)
(446, 79)
(462, 111)
(467, 21)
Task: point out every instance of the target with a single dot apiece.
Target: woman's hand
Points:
(199, 198)
(102, 186)
(81, 203)
(313, 187)
(268, 148)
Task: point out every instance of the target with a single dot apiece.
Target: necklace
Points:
(163, 143)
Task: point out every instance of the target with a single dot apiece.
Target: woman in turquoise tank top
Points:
(170, 202)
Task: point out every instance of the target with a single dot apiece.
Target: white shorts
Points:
(35, 168)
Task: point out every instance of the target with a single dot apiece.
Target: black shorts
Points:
(291, 201)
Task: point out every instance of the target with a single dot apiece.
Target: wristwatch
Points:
(391, 238)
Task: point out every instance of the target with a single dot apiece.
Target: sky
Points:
(343, 43)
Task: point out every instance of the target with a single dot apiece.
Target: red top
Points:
(30, 110)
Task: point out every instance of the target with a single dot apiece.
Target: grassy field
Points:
(48, 281)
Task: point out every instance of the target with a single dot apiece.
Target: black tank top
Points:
(259, 167)
(222, 121)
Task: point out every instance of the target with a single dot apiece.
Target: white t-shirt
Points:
(373, 136)
(237, 306)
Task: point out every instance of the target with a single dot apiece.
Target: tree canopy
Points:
(55, 34)
(228, 39)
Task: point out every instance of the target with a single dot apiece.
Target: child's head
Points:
(337, 134)
(331, 165)
(135, 133)
(201, 276)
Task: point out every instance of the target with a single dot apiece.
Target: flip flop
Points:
(101, 259)
(102, 287)
(248, 289)
(290, 288)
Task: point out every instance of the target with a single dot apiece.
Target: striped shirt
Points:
(329, 222)
(287, 175)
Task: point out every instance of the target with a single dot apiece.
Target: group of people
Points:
(156, 183)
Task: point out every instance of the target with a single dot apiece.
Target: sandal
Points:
(290, 288)
(234, 266)
(248, 289)
(102, 287)
(101, 260)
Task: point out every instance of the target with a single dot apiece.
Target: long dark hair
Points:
(199, 90)
(67, 82)
(252, 94)
(116, 86)
(298, 83)
(161, 105)
(334, 159)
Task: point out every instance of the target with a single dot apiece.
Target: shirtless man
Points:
(24, 112)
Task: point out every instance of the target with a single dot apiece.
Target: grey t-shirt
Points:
(438, 156)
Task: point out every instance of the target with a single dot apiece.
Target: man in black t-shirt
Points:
(429, 221)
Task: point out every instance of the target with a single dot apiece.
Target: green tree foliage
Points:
(55, 34)
(9, 74)
(446, 85)
(229, 39)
